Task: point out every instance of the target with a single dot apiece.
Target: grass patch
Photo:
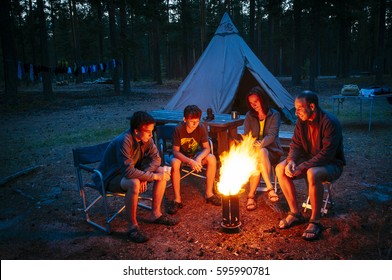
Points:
(83, 136)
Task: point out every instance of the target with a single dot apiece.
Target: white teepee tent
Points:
(225, 69)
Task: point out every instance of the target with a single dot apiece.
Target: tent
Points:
(224, 74)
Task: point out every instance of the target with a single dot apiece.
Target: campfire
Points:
(237, 166)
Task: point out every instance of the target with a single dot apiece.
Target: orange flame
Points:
(237, 166)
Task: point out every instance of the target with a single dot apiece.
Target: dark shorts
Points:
(333, 171)
(114, 184)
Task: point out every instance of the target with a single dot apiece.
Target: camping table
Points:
(223, 128)
(341, 98)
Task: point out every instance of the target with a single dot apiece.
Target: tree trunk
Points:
(53, 28)
(274, 12)
(259, 23)
(134, 64)
(45, 62)
(271, 33)
(344, 39)
(156, 51)
(9, 53)
(125, 49)
(252, 24)
(379, 64)
(114, 47)
(75, 41)
(185, 38)
(19, 36)
(296, 70)
(98, 6)
(315, 38)
(203, 36)
(32, 40)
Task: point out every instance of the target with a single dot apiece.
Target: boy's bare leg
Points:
(175, 176)
(210, 174)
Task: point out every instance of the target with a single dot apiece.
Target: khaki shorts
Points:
(114, 184)
(203, 161)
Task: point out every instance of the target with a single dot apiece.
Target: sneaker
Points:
(214, 199)
(137, 235)
(174, 206)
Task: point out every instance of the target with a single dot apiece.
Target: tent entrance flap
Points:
(247, 82)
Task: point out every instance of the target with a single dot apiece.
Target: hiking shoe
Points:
(165, 219)
(137, 235)
(174, 206)
(214, 199)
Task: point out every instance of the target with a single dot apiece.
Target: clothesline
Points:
(33, 70)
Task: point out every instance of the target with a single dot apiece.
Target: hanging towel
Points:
(31, 72)
(20, 71)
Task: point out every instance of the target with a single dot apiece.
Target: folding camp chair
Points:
(164, 136)
(327, 200)
(86, 160)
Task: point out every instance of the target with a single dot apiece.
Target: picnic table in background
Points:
(222, 128)
(340, 99)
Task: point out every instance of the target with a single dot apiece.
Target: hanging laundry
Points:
(20, 71)
(32, 72)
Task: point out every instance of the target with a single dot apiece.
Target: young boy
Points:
(191, 146)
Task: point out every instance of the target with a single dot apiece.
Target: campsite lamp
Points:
(237, 166)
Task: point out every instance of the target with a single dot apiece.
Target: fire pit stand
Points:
(230, 213)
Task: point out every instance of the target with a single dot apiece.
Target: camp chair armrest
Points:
(96, 171)
(87, 168)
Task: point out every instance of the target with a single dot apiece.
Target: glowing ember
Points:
(237, 166)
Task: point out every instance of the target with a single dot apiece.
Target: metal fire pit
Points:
(230, 212)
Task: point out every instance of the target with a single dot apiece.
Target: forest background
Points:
(46, 114)
(132, 40)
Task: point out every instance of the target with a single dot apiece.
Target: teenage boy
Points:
(129, 163)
